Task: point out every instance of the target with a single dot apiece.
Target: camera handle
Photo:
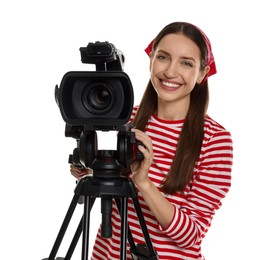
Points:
(119, 189)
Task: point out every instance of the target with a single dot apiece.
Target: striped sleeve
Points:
(210, 184)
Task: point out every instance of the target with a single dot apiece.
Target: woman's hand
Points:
(162, 209)
(78, 172)
(140, 168)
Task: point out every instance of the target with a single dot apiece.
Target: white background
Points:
(40, 42)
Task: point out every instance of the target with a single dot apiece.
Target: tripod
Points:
(106, 184)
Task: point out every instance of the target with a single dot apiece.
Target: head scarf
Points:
(210, 58)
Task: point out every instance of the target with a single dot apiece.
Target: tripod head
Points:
(105, 163)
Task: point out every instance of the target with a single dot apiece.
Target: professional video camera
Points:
(101, 100)
(98, 100)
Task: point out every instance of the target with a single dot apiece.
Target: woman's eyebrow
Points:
(182, 57)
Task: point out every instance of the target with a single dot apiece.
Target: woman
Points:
(186, 170)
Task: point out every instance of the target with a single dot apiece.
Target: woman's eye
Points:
(161, 57)
(187, 63)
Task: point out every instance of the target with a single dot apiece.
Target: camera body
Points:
(101, 99)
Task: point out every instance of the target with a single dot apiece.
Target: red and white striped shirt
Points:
(194, 209)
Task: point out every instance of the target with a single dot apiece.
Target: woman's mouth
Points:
(169, 85)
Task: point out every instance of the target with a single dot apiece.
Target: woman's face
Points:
(175, 69)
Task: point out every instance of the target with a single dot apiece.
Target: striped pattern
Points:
(193, 210)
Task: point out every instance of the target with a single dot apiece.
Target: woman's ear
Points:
(203, 74)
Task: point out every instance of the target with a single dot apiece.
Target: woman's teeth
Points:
(170, 85)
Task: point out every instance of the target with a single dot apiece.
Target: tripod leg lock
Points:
(141, 253)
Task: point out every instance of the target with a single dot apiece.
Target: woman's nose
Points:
(171, 70)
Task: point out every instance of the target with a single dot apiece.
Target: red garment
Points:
(193, 210)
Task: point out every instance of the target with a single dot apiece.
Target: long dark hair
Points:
(192, 133)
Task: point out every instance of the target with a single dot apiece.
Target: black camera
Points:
(99, 100)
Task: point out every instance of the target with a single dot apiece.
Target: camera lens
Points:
(98, 97)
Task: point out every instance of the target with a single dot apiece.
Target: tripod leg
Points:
(124, 228)
(130, 237)
(77, 235)
(85, 234)
(150, 248)
(63, 228)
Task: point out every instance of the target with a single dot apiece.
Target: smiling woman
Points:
(186, 169)
(40, 41)
(175, 69)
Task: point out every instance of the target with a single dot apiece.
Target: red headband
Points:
(210, 58)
